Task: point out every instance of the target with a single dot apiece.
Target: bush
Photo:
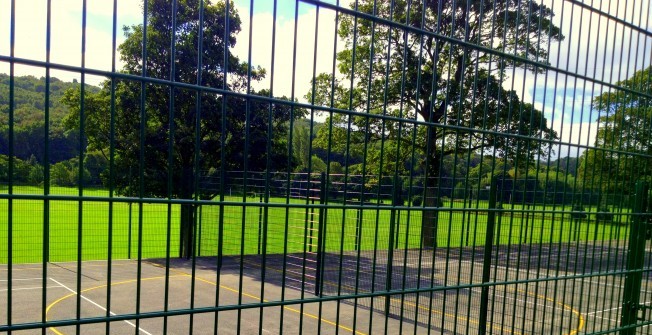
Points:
(66, 173)
(36, 176)
(417, 200)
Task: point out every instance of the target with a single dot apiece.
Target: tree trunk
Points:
(187, 231)
(188, 211)
(430, 217)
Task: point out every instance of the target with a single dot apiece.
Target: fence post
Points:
(635, 257)
(486, 264)
(321, 234)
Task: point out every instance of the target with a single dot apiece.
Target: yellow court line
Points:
(265, 300)
(419, 306)
(565, 306)
(473, 320)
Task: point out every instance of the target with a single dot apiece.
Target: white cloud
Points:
(66, 39)
(65, 32)
(283, 46)
(572, 136)
(594, 47)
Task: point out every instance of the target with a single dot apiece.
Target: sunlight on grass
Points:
(94, 229)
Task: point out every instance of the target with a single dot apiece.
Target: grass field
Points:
(250, 229)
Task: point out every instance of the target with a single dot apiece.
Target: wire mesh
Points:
(312, 166)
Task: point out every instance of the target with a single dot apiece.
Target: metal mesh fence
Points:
(317, 166)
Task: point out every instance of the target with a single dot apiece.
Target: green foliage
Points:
(336, 168)
(387, 71)
(36, 175)
(66, 173)
(318, 165)
(97, 166)
(29, 119)
(566, 164)
(623, 142)
(301, 142)
(181, 136)
(21, 170)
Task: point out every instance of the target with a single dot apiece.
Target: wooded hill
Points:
(29, 119)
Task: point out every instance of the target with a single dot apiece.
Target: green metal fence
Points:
(313, 166)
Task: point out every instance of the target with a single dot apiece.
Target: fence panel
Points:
(313, 166)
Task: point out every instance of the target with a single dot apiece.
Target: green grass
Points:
(286, 230)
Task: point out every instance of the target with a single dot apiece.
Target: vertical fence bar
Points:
(635, 258)
(486, 264)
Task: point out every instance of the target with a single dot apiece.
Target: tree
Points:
(176, 138)
(622, 150)
(411, 71)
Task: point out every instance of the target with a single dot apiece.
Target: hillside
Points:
(29, 119)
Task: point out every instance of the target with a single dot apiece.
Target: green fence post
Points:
(486, 265)
(321, 234)
(635, 257)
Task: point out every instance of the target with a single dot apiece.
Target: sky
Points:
(594, 47)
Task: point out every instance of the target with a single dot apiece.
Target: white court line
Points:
(29, 288)
(589, 281)
(592, 314)
(99, 306)
(552, 305)
(604, 310)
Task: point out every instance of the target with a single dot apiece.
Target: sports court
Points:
(447, 298)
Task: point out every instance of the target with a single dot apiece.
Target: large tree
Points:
(623, 142)
(176, 141)
(432, 63)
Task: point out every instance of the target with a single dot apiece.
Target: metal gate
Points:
(325, 166)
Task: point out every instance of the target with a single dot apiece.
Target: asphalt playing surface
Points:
(525, 300)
